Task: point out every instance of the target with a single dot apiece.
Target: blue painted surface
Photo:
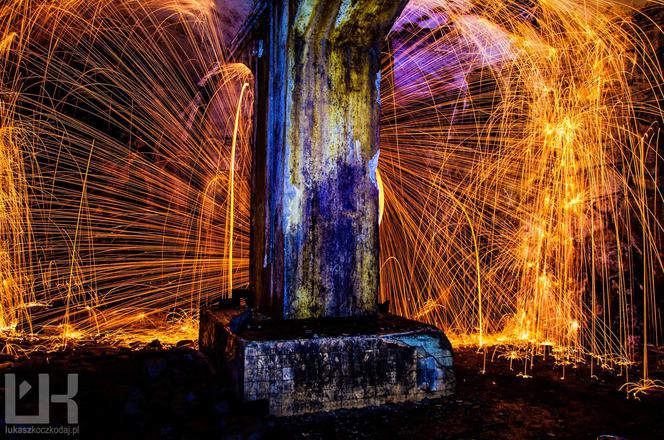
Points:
(321, 250)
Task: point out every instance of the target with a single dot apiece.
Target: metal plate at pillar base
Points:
(321, 365)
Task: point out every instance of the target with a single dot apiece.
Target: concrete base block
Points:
(321, 365)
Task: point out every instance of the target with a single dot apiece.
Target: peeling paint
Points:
(378, 78)
(343, 12)
(357, 151)
(303, 16)
(292, 197)
(373, 166)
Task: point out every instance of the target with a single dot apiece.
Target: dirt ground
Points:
(152, 392)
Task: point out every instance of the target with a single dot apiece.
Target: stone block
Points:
(326, 364)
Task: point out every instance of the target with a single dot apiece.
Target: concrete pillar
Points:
(315, 198)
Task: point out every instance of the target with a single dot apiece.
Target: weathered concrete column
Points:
(315, 224)
(315, 206)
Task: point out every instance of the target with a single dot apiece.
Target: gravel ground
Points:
(153, 392)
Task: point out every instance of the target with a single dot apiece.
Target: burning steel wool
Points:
(521, 206)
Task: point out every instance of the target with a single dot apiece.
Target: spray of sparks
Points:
(519, 204)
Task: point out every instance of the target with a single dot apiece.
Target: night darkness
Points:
(332, 219)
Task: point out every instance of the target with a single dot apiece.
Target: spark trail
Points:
(520, 206)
